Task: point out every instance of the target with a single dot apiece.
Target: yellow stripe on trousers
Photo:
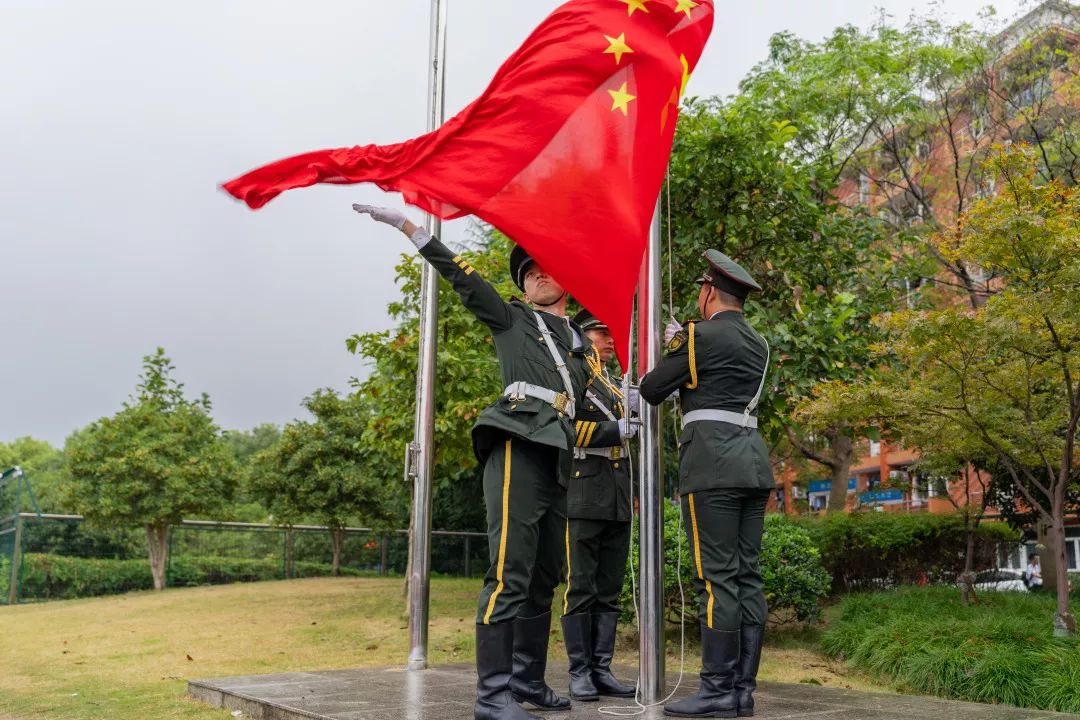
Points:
(566, 595)
(502, 537)
(697, 559)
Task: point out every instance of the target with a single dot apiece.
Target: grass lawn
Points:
(129, 656)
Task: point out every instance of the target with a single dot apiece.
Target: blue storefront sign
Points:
(881, 496)
(822, 486)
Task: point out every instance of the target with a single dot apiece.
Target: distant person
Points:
(1033, 574)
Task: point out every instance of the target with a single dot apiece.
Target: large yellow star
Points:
(618, 47)
(620, 99)
(632, 5)
(685, 6)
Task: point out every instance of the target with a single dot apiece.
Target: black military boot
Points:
(577, 634)
(603, 647)
(749, 660)
(494, 661)
(719, 664)
(530, 661)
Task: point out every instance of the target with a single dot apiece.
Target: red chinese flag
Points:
(565, 151)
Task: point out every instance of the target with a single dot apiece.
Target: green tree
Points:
(159, 459)
(320, 471)
(740, 184)
(905, 116)
(1002, 380)
(44, 468)
(245, 445)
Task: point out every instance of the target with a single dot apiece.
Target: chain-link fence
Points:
(45, 557)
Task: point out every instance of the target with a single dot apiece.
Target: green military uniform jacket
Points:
(523, 357)
(600, 486)
(716, 364)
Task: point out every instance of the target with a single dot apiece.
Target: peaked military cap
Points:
(520, 260)
(727, 275)
(588, 321)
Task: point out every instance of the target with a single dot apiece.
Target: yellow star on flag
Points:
(618, 47)
(685, 74)
(620, 99)
(632, 5)
(685, 6)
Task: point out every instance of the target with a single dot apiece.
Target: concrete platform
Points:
(447, 693)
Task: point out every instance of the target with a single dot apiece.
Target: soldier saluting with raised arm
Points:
(524, 440)
(718, 366)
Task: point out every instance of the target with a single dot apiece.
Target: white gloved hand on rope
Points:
(633, 401)
(670, 331)
(396, 219)
(627, 429)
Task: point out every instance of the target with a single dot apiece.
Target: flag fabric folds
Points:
(565, 151)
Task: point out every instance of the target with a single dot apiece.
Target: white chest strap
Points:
(560, 362)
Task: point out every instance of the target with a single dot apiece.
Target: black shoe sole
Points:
(746, 713)
(533, 707)
(585, 698)
(715, 714)
(619, 695)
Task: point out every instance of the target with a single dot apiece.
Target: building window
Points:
(864, 187)
(875, 448)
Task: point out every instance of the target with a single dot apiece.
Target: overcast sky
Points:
(119, 118)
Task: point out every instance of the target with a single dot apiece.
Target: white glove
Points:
(669, 331)
(627, 429)
(394, 218)
(390, 216)
(633, 401)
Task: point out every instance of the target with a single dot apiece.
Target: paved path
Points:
(447, 693)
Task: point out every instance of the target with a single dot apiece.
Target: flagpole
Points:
(419, 459)
(651, 678)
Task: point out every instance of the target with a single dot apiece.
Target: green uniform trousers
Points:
(724, 528)
(595, 565)
(526, 519)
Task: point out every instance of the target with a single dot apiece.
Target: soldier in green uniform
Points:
(524, 441)
(598, 511)
(718, 366)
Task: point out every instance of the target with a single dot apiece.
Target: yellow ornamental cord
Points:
(598, 371)
(692, 385)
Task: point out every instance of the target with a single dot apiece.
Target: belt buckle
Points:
(616, 453)
(560, 402)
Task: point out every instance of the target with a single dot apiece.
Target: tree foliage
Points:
(1001, 382)
(319, 471)
(158, 460)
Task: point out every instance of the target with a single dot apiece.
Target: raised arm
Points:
(475, 292)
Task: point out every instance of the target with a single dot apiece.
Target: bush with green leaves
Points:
(53, 577)
(795, 581)
(929, 642)
(866, 551)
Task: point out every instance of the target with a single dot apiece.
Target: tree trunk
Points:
(157, 541)
(841, 454)
(1064, 622)
(967, 578)
(337, 538)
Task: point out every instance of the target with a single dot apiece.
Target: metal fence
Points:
(45, 557)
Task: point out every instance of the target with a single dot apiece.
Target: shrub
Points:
(791, 569)
(54, 577)
(867, 551)
(1000, 651)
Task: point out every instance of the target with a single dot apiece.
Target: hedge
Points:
(926, 640)
(871, 551)
(54, 577)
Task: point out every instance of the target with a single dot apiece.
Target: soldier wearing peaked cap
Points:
(524, 441)
(598, 512)
(718, 366)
